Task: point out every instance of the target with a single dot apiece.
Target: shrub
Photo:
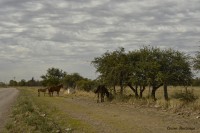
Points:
(185, 97)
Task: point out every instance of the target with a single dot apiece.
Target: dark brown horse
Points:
(102, 91)
(42, 90)
(55, 88)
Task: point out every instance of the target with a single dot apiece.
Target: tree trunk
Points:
(133, 89)
(121, 83)
(121, 89)
(136, 91)
(166, 93)
(142, 88)
(114, 89)
(153, 92)
(149, 92)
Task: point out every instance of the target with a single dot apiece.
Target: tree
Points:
(175, 69)
(2, 84)
(138, 69)
(86, 84)
(53, 76)
(22, 82)
(112, 68)
(196, 61)
(146, 66)
(71, 80)
(13, 83)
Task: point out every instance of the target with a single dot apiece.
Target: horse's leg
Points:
(49, 93)
(38, 93)
(102, 97)
(98, 98)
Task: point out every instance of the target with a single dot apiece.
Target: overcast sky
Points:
(67, 34)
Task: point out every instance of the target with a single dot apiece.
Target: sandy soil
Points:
(7, 98)
(123, 118)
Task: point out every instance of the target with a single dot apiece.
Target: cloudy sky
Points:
(67, 34)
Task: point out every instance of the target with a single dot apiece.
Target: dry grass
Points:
(83, 93)
(173, 104)
(80, 113)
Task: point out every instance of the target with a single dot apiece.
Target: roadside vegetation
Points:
(79, 112)
(36, 115)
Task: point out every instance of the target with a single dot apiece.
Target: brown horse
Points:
(102, 90)
(42, 90)
(55, 88)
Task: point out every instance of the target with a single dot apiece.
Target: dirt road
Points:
(7, 97)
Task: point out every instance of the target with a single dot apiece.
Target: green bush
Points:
(185, 96)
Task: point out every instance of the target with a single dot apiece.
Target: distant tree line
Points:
(23, 82)
(196, 81)
(55, 76)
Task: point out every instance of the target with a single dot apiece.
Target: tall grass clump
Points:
(185, 96)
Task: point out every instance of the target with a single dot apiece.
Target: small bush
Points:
(185, 97)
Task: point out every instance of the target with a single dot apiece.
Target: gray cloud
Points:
(36, 35)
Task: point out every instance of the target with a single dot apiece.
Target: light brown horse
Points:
(42, 90)
(55, 88)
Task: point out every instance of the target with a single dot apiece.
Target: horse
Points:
(42, 90)
(102, 90)
(55, 88)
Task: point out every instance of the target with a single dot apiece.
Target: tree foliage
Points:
(86, 84)
(196, 61)
(146, 66)
(53, 76)
(70, 80)
(112, 67)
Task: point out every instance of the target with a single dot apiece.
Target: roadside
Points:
(74, 113)
(7, 98)
(108, 117)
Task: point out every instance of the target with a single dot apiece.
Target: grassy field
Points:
(79, 112)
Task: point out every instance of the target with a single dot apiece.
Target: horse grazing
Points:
(55, 88)
(102, 90)
(42, 90)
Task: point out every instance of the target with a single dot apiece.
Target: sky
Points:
(68, 34)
